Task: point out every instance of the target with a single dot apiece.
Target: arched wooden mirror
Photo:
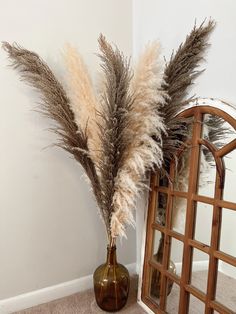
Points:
(189, 263)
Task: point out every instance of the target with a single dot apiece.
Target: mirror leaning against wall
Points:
(189, 248)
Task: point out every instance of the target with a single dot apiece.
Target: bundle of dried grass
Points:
(116, 139)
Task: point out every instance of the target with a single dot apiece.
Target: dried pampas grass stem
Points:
(143, 150)
(180, 73)
(84, 103)
(55, 105)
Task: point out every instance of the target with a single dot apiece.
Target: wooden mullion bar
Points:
(162, 189)
(222, 309)
(190, 213)
(212, 201)
(226, 204)
(215, 241)
(158, 227)
(199, 245)
(170, 232)
(153, 263)
(167, 244)
(226, 149)
(179, 194)
(204, 199)
(196, 292)
(165, 272)
(225, 257)
(149, 236)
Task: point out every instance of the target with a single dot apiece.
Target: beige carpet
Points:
(84, 302)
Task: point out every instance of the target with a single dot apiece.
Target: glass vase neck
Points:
(111, 255)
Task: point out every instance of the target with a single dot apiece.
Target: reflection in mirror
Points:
(157, 256)
(178, 214)
(161, 208)
(217, 131)
(172, 302)
(164, 181)
(182, 171)
(154, 288)
(226, 285)
(176, 255)
(203, 225)
(230, 177)
(207, 173)
(200, 270)
(196, 306)
(158, 246)
(228, 232)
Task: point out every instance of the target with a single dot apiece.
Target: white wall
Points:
(170, 22)
(50, 231)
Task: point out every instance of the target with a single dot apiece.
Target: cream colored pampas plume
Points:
(83, 99)
(145, 127)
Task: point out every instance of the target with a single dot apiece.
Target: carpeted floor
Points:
(84, 302)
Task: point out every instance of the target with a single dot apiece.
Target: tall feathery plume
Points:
(84, 102)
(145, 127)
(116, 105)
(180, 73)
(55, 105)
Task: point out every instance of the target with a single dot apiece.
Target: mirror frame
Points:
(197, 108)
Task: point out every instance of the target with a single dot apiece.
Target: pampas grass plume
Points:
(143, 151)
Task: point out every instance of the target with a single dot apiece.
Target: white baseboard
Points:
(26, 300)
(197, 266)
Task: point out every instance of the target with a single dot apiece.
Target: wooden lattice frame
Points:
(189, 243)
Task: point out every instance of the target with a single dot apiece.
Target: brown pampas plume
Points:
(180, 73)
(116, 104)
(55, 105)
(84, 102)
(145, 126)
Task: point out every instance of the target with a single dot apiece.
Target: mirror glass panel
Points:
(226, 285)
(207, 173)
(154, 285)
(178, 214)
(161, 208)
(230, 177)
(228, 232)
(176, 255)
(217, 131)
(182, 171)
(172, 303)
(203, 225)
(158, 246)
(196, 306)
(200, 270)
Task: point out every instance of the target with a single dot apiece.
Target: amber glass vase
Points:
(156, 276)
(111, 283)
